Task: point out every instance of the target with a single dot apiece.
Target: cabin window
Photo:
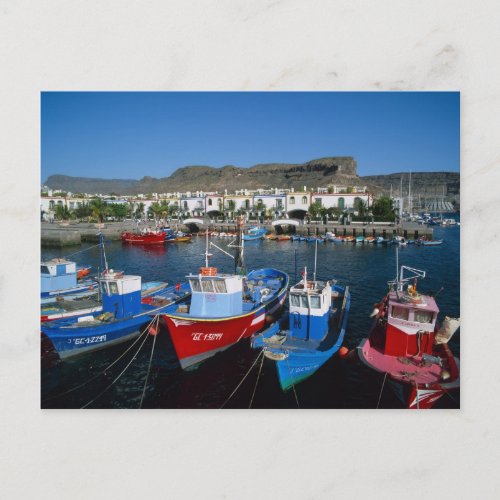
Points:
(422, 316)
(104, 289)
(315, 301)
(195, 285)
(207, 286)
(113, 288)
(295, 300)
(399, 312)
(44, 270)
(303, 300)
(220, 286)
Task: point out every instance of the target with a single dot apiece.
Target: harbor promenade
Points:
(74, 233)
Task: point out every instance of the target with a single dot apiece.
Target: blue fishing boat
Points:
(360, 239)
(60, 277)
(255, 233)
(313, 331)
(122, 318)
(383, 241)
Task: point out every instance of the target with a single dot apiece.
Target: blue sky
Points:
(128, 135)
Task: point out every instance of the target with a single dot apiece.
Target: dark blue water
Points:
(338, 384)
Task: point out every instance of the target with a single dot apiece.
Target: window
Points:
(44, 270)
(399, 312)
(185, 204)
(422, 316)
(341, 203)
(259, 202)
(303, 300)
(195, 285)
(292, 200)
(220, 286)
(315, 301)
(207, 286)
(104, 289)
(304, 200)
(210, 201)
(113, 288)
(246, 203)
(295, 300)
(279, 203)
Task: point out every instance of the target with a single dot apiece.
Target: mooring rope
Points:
(83, 384)
(381, 390)
(150, 360)
(293, 385)
(81, 251)
(256, 382)
(118, 377)
(246, 375)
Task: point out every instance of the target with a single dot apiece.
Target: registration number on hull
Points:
(207, 336)
(88, 340)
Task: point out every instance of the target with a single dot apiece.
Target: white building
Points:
(343, 201)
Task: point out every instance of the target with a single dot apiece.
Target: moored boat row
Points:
(212, 311)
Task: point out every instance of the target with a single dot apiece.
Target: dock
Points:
(73, 233)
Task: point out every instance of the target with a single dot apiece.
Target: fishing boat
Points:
(69, 306)
(183, 238)
(349, 239)
(313, 331)
(429, 243)
(144, 238)
(295, 237)
(407, 345)
(223, 308)
(282, 237)
(370, 239)
(338, 239)
(383, 241)
(122, 318)
(360, 239)
(255, 233)
(329, 236)
(59, 277)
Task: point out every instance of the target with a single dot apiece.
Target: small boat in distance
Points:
(428, 243)
(255, 233)
(407, 345)
(144, 238)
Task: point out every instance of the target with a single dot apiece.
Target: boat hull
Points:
(417, 384)
(197, 339)
(143, 239)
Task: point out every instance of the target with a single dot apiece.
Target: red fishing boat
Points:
(146, 238)
(409, 347)
(224, 308)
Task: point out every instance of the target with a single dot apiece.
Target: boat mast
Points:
(315, 259)
(410, 209)
(206, 247)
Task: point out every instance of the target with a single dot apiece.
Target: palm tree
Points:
(139, 211)
(155, 209)
(99, 209)
(61, 212)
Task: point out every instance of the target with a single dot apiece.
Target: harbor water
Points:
(365, 268)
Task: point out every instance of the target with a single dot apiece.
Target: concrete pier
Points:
(54, 235)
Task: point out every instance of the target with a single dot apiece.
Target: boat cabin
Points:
(310, 304)
(58, 274)
(411, 321)
(121, 294)
(215, 295)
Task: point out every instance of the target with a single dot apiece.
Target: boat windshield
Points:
(400, 312)
(315, 301)
(295, 300)
(422, 316)
(195, 285)
(44, 270)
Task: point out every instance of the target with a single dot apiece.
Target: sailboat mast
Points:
(206, 247)
(410, 209)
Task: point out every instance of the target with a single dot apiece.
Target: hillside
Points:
(313, 174)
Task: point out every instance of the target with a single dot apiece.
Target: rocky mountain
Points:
(338, 170)
(313, 174)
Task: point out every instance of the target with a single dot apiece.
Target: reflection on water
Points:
(338, 384)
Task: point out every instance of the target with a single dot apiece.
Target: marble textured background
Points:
(238, 45)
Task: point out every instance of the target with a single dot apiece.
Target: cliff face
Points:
(315, 173)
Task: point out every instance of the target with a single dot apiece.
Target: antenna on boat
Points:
(206, 247)
(315, 259)
(104, 262)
